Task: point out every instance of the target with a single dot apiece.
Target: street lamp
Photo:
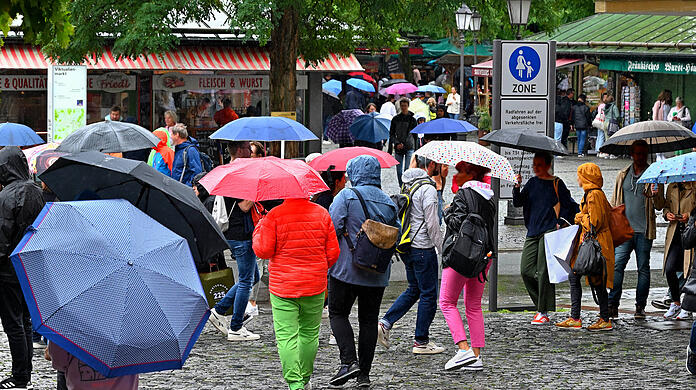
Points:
(475, 26)
(519, 13)
(463, 17)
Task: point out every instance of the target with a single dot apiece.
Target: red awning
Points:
(485, 69)
(181, 58)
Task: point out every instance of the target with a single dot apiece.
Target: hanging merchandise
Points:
(631, 103)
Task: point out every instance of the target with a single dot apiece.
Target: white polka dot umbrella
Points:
(452, 152)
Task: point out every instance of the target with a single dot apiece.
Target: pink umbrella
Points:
(401, 89)
(338, 158)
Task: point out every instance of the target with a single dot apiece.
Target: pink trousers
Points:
(451, 286)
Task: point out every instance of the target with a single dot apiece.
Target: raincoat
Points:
(184, 171)
(679, 202)
(594, 210)
(162, 156)
(346, 213)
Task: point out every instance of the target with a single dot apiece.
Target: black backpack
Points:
(470, 253)
(403, 204)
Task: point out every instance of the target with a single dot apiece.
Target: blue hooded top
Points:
(346, 212)
(193, 161)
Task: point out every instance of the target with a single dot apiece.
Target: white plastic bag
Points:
(220, 213)
(559, 246)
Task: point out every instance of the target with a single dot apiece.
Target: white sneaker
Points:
(218, 321)
(383, 335)
(460, 359)
(673, 311)
(325, 312)
(427, 349)
(613, 157)
(242, 335)
(683, 315)
(332, 340)
(252, 310)
(477, 365)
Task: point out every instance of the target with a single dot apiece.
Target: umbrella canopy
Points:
(371, 127)
(264, 128)
(264, 178)
(431, 88)
(360, 84)
(678, 169)
(71, 263)
(662, 136)
(109, 137)
(391, 82)
(418, 107)
(41, 157)
(338, 158)
(400, 89)
(527, 140)
(169, 202)
(16, 134)
(444, 126)
(333, 86)
(452, 152)
(362, 75)
(338, 128)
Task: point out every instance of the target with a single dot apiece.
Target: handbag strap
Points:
(362, 202)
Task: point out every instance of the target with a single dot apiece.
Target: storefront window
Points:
(23, 99)
(107, 90)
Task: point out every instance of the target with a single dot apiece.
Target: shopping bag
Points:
(559, 246)
(215, 285)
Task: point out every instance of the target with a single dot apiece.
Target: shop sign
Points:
(177, 82)
(482, 72)
(648, 66)
(111, 82)
(67, 98)
(23, 82)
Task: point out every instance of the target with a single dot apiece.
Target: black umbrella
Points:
(169, 202)
(525, 140)
(109, 137)
(662, 136)
(391, 82)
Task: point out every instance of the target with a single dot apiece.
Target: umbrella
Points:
(452, 152)
(333, 86)
(662, 136)
(444, 126)
(41, 157)
(372, 127)
(171, 203)
(264, 128)
(109, 137)
(338, 158)
(431, 88)
(418, 107)
(362, 75)
(525, 140)
(678, 169)
(338, 128)
(136, 273)
(16, 134)
(264, 178)
(391, 82)
(360, 84)
(401, 89)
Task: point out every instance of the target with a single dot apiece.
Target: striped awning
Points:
(181, 58)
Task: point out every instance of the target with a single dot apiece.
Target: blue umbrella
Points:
(361, 84)
(444, 126)
(263, 128)
(111, 286)
(370, 127)
(333, 86)
(15, 134)
(431, 88)
(678, 169)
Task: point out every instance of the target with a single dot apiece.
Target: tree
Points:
(45, 22)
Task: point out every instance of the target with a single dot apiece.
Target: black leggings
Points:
(576, 297)
(675, 264)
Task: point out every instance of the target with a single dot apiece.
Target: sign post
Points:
(67, 100)
(524, 83)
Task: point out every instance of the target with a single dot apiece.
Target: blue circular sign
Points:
(524, 64)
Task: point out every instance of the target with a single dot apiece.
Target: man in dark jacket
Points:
(581, 122)
(563, 108)
(400, 138)
(21, 202)
(187, 158)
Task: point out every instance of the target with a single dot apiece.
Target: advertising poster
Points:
(67, 100)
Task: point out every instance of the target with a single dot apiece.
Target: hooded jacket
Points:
(425, 222)
(400, 132)
(652, 203)
(193, 161)
(21, 202)
(162, 156)
(346, 213)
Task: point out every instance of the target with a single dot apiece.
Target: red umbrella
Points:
(339, 158)
(265, 178)
(362, 75)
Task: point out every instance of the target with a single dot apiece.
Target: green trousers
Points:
(296, 322)
(536, 276)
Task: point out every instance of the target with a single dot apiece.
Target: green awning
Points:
(445, 46)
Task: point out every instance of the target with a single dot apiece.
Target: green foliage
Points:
(484, 122)
(44, 21)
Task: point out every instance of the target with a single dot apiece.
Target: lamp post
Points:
(463, 17)
(519, 14)
(475, 26)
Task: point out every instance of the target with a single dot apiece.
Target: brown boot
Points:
(640, 313)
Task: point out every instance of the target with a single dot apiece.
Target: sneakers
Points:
(325, 312)
(683, 315)
(673, 311)
(690, 361)
(477, 365)
(345, 373)
(600, 325)
(383, 335)
(218, 321)
(363, 381)
(662, 304)
(613, 157)
(640, 313)
(540, 319)
(332, 340)
(251, 310)
(462, 358)
(11, 383)
(613, 312)
(247, 319)
(601, 155)
(570, 323)
(39, 344)
(427, 349)
(242, 335)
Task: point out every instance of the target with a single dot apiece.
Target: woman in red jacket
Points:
(300, 242)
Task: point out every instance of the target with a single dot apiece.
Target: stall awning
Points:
(485, 69)
(181, 58)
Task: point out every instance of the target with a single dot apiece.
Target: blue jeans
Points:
(582, 137)
(238, 295)
(421, 272)
(622, 253)
(404, 161)
(692, 344)
(600, 139)
(453, 116)
(557, 131)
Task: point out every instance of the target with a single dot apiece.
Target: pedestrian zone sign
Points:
(525, 69)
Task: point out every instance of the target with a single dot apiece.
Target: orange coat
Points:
(299, 239)
(595, 210)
